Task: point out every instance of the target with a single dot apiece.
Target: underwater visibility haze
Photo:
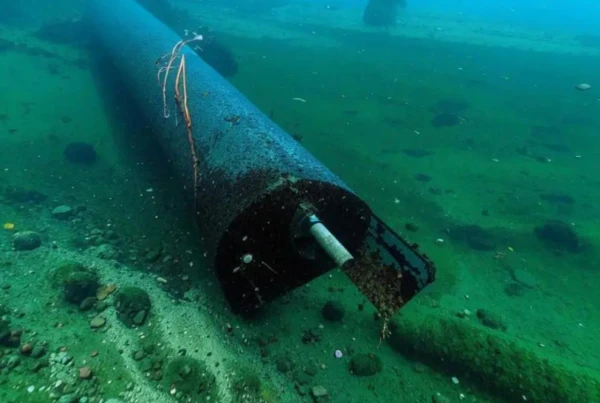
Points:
(299, 201)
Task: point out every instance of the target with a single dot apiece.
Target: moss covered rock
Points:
(62, 272)
(493, 361)
(246, 383)
(79, 286)
(190, 379)
(76, 281)
(133, 306)
(26, 240)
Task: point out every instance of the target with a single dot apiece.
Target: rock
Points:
(97, 322)
(437, 398)
(302, 390)
(514, 289)
(69, 398)
(63, 212)
(85, 373)
(283, 364)
(311, 336)
(153, 255)
(365, 365)
(524, 277)
(80, 285)
(419, 368)
(105, 291)
(333, 311)
(319, 391)
(26, 240)
(490, 320)
(139, 355)
(583, 87)
(107, 252)
(13, 362)
(133, 305)
(411, 227)
(139, 318)
(26, 349)
(37, 365)
(38, 351)
(87, 304)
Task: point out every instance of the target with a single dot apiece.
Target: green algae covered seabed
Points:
(515, 151)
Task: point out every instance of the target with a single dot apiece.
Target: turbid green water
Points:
(512, 316)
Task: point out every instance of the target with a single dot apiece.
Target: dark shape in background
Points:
(558, 236)
(80, 153)
(382, 13)
(217, 55)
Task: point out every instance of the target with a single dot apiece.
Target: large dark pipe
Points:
(272, 216)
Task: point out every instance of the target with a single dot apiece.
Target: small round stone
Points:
(85, 373)
(583, 86)
(97, 322)
(63, 212)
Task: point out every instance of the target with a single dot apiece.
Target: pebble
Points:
(97, 322)
(319, 391)
(70, 398)
(85, 373)
(63, 212)
(38, 351)
(31, 389)
(419, 368)
(139, 318)
(438, 398)
(26, 348)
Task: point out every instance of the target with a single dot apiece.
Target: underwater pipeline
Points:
(272, 216)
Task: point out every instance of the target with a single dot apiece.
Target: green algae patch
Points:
(133, 306)
(491, 360)
(187, 378)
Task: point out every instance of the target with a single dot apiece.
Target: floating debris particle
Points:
(583, 87)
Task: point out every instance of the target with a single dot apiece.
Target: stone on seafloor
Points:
(97, 322)
(26, 240)
(63, 212)
(85, 373)
(139, 318)
(319, 391)
(583, 86)
(26, 348)
(105, 291)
